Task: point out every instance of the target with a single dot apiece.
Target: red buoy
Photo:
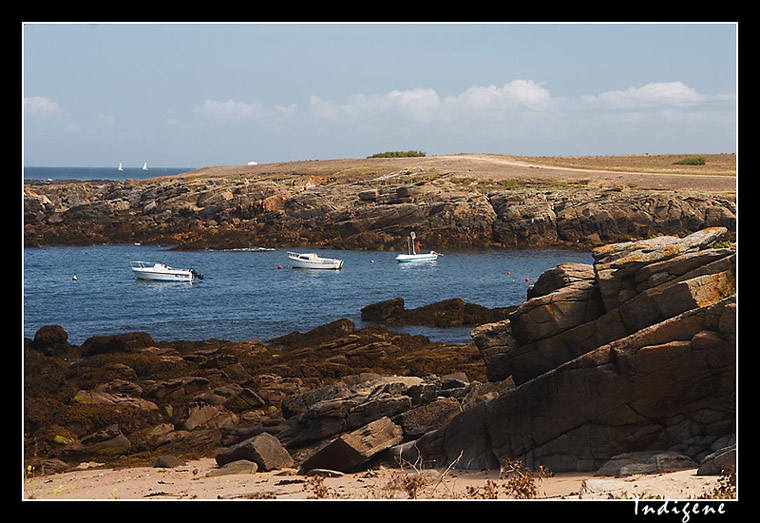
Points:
(508, 273)
(279, 266)
(527, 279)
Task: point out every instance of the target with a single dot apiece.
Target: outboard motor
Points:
(196, 274)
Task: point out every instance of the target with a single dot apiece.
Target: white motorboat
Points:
(162, 272)
(405, 258)
(312, 261)
(412, 254)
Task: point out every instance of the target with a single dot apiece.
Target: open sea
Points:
(245, 295)
(100, 173)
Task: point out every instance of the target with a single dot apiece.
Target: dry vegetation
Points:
(516, 481)
(647, 172)
(715, 164)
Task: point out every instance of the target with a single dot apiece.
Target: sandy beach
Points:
(196, 481)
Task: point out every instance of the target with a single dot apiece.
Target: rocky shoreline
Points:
(624, 366)
(297, 205)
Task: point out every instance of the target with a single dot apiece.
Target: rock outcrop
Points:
(127, 397)
(197, 212)
(454, 312)
(637, 354)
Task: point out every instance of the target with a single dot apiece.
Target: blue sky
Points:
(194, 95)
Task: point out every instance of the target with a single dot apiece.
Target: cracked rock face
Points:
(574, 309)
(668, 387)
(639, 356)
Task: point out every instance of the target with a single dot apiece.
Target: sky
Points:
(196, 95)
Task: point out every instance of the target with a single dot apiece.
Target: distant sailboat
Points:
(120, 167)
(145, 166)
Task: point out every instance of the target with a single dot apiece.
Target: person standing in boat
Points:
(418, 245)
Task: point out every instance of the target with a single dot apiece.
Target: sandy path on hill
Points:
(496, 167)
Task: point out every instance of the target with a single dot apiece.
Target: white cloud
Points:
(42, 113)
(520, 115)
(653, 95)
(415, 104)
(425, 105)
(525, 100)
(233, 111)
(517, 94)
(285, 111)
(230, 111)
(39, 105)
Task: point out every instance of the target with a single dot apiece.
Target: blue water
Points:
(245, 296)
(99, 173)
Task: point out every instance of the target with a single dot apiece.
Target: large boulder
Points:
(321, 334)
(352, 450)
(263, 449)
(50, 338)
(383, 310)
(545, 316)
(718, 462)
(561, 276)
(103, 444)
(495, 343)
(431, 416)
(651, 462)
(128, 342)
(323, 413)
(617, 264)
(453, 312)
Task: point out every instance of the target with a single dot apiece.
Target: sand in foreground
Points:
(191, 482)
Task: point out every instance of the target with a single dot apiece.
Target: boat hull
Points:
(161, 272)
(411, 258)
(161, 276)
(315, 262)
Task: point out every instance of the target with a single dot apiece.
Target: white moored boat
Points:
(404, 258)
(412, 254)
(161, 272)
(312, 261)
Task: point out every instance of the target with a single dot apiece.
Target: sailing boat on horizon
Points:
(145, 166)
(120, 167)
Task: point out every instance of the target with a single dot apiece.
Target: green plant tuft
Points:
(691, 160)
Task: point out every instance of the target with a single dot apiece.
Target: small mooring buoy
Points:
(74, 278)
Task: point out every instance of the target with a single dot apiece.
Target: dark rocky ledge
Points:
(288, 208)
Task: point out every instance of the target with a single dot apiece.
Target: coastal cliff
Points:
(374, 205)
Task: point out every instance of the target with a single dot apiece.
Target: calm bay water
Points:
(99, 173)
(245, 296)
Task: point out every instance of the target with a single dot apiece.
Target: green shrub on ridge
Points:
(398, 154)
